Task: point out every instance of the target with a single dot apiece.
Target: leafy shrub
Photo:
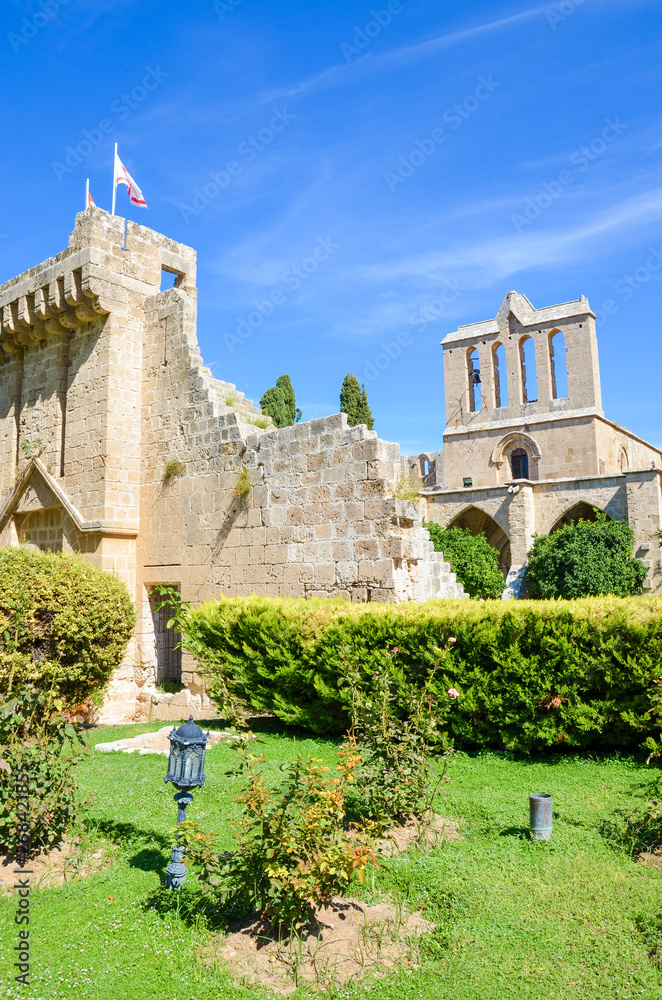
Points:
(532, 674)
(64, 624)
(399, 736)
(292, 849)
(35, 739)
(472, 559)
(583, 559)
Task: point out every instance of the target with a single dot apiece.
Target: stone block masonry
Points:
(103, 389)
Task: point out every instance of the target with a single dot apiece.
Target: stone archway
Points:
(514, 442)
(580, 511)
(479, 522)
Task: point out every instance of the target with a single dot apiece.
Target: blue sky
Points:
(372, 162)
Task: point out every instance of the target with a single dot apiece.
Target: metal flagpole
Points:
(114, 184)
(87, 193)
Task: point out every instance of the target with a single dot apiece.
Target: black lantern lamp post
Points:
(186, 771)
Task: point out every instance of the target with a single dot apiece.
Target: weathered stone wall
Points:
(536, 508)
(102, 390)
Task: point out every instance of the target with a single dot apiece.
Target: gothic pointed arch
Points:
(479, 522)
(579, 511)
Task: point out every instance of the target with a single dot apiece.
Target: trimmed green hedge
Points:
(531, 674)
(64, 623)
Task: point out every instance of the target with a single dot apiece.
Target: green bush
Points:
(293, 850)
(398, 732)
(472, 559)
(584, 559)
(36, 741)
(64, 624)
(530, 675)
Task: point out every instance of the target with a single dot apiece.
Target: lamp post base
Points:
(176, 871)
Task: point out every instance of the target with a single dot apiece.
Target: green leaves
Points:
(472, 559)
(279, 403)
(64, 624)
(36, 739)
(586, 558)
(532, 675)
(354, 402)
(291, 846)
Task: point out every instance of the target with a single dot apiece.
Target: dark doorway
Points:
(168, 658)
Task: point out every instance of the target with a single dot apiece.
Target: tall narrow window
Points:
(168, 659)
(623, 460)
(558, 366)
(519, 463)
(500, 376)
(527, 353)
(473, 371)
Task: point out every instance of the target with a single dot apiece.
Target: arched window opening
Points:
(527, 353)
(425, 468)
(519, 463)
(558, 367)
(500, 376)
(480, 523)
(473, 371)
(624, 461)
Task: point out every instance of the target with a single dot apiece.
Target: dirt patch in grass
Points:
(652, 857)
(347, 940)
(54, 867)
(430, 830)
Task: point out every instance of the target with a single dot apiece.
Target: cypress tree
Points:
(354, 402)
(366, 416)
(274, 405)
(279, 403)
(284, 383)
(350, 399)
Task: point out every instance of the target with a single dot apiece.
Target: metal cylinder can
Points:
(540, 814)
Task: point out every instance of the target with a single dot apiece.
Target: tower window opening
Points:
(527, 352)
(473, 371)
(500, 376)
(558, 366)
(519, 463)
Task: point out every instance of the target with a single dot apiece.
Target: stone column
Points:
(644, 499)
(521, 528)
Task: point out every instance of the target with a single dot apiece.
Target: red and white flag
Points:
(122, 176)
(89, 200)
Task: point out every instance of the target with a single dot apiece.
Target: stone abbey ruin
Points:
(117, 443)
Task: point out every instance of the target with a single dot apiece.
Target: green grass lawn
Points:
(572, 918)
